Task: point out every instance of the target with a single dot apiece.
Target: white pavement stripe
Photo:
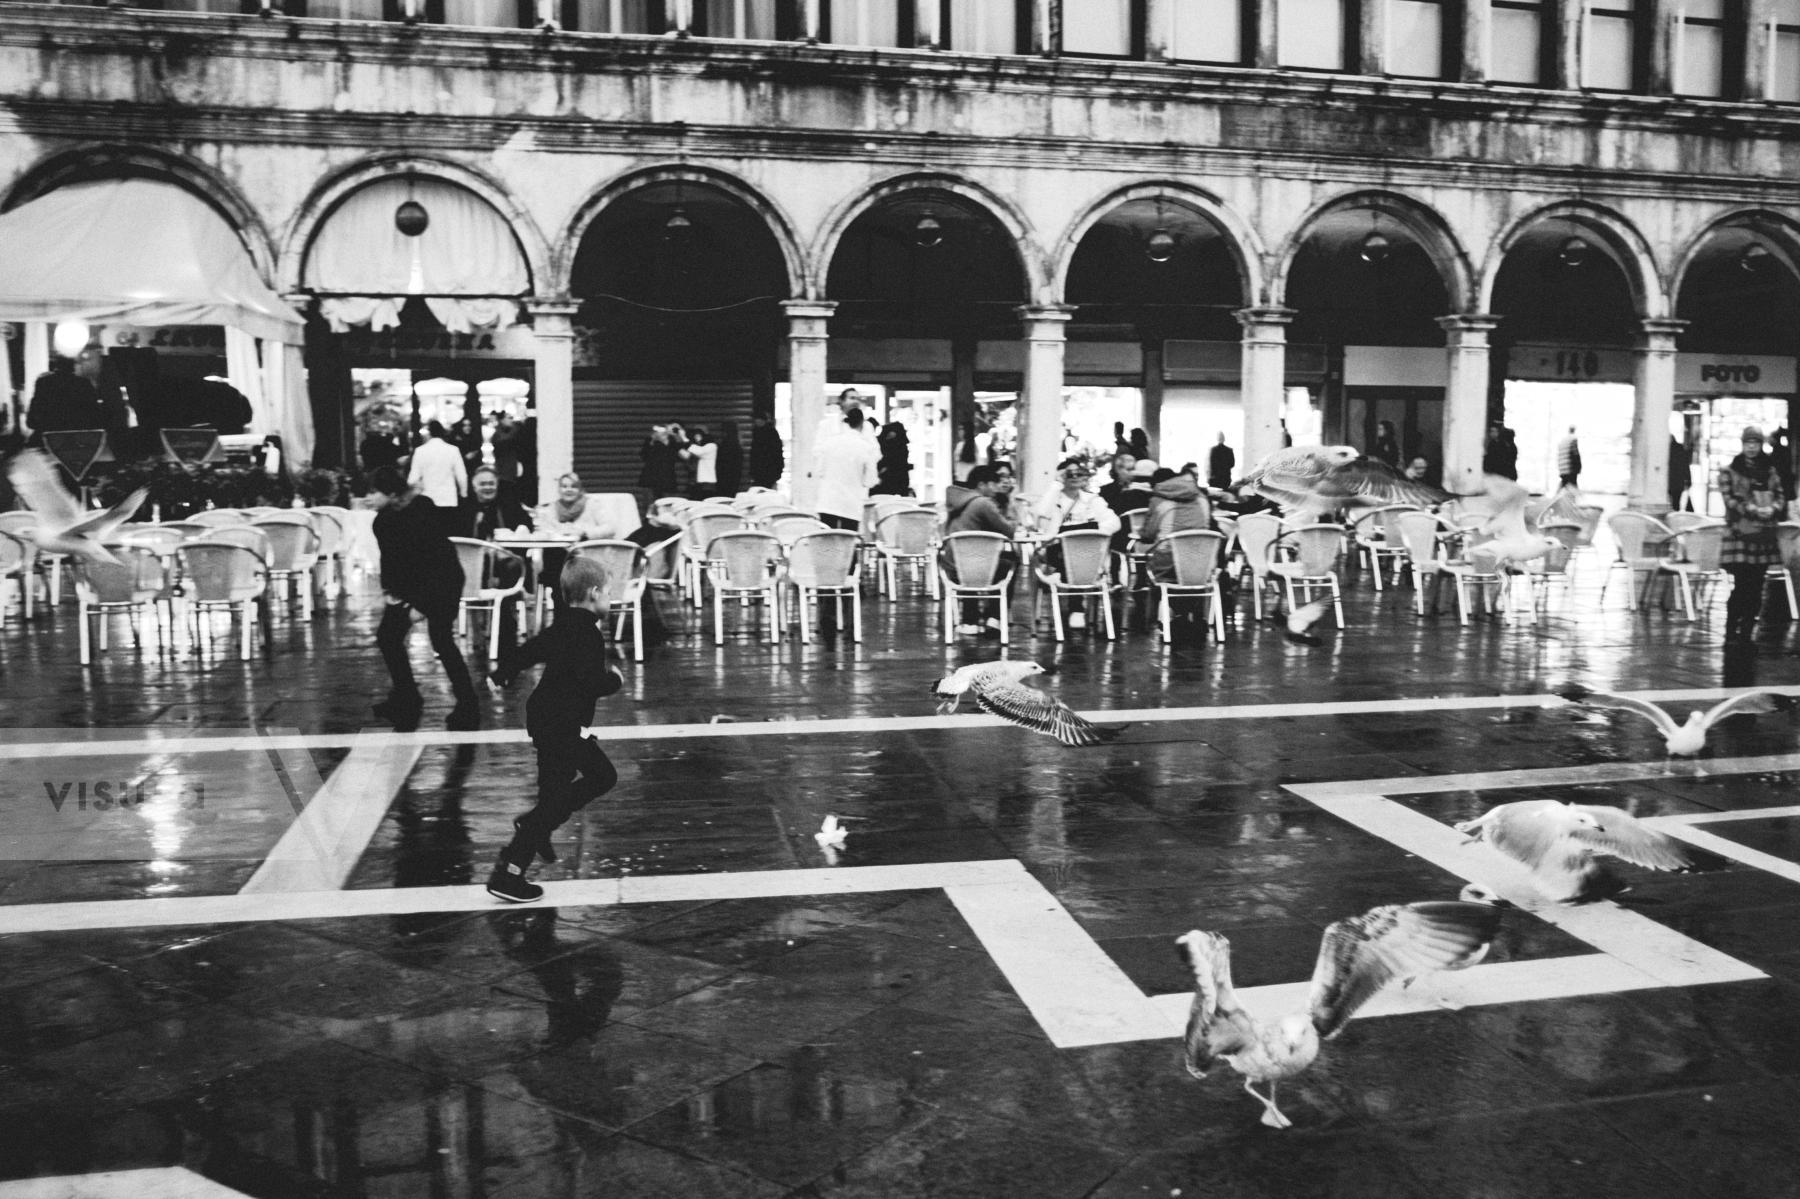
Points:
(248, 908)
(1718, 817)
(321, 847)
(166, 1182)
(1654, 949)
(861, 724)
(1726, 847)
(1077, 993)
(1478, 986)
(1559, 776)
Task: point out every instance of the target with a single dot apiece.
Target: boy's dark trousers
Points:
(560, 793)
(440, 620)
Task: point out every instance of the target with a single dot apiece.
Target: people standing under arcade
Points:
(419, 572)
(437, 471)
(1221, 462)
(1755, 502)
(768, 455)
(844, 468)
(1500, 455)
(1387, 444)
(62, 399)
(660, 453)
(703, 452)
(731, 459)
(1680, 476)
(1568, 459)
(895, 464)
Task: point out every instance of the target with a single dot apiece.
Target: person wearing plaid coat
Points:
(1755, 501)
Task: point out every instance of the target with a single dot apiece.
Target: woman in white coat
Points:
(844, 466)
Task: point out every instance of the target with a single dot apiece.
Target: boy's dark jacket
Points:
(573, 650)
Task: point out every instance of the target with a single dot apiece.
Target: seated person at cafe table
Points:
(573, 515)
(494, 514)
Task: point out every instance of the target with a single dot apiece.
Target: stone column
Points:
(1563, 23)
(1046, 27)
(1476, 34)
(1465, 398)
(1653, 374)
(810, 17)
(1262, 380)
(1265, 45)
(1758, 47)
(1372, 26)
(1041, 404)
(681, 17)
(1661, 70)
(807, 342)
(553, 385)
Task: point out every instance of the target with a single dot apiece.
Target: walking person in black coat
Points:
(573, 771)
(419, 571)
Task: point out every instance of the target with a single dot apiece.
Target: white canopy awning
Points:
(138, 252)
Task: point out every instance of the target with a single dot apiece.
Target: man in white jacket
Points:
(844, 466)
(438, 472)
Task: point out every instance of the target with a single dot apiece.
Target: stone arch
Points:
(777, 221)
(316, 209)
(1782, 231)
(1621, 241)
(1032, 260)
(1240, 237)
(1426, 225)
(103, 160)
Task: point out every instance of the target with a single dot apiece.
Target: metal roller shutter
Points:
(612, 418)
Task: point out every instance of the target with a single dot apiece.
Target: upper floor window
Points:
(1415, 38)
(1701, 42)
(1516, 41)
(1207, 31)
(613, 16)
(1097, 27)
(1311, 34)
(983, 26)
(866, 23)
(1784, 51)
(498, 14)
(1609, 46)
(752, 19)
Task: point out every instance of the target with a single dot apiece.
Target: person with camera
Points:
(1755, 502)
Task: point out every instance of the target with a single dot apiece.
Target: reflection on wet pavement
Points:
(869, 1043)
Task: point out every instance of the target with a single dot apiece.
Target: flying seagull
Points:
(831, 834)
(62, 526)
(1560, 842)
(1310, 481)
(1357, 958)
(1688, 738)
(1301, 620)
(1000, 689)
(1510, 539)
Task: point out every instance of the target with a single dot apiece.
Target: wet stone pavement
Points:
(978, 996)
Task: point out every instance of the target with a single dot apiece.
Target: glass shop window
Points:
(1784, 51)
(491, 14)
(1097, 27)
(1311, 34)
(1609, 55)
(1415, 39)
(1207, 31)
(983, 27)
(1516, 41)
(1700, 44)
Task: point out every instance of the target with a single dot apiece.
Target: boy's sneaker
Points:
(508, 882)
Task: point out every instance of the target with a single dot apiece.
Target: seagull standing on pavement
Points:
(1310, 481)
(1560, 843)
(1688, 738)
(62, 526)
(1357, 958)
(999, 688)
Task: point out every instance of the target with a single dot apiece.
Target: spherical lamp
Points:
(69, 338)
(411, 218)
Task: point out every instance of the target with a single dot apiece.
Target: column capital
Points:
(815, 310)
(1057, 314)
(552, 306)
(1469, 322)
(1265, 318)
(1654, 328)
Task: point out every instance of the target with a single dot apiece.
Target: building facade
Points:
(1261, 212)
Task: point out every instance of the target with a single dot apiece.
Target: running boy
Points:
(573, 650)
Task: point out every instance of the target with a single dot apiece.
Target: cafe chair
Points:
(974, 565)
(482, 590)
(825, 564)
(136, 582)
(225, 575)
(1195, 557)
(745, 565)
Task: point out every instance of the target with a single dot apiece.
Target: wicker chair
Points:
(139, 580)
(978, 562)
(1195, 557)
(481, 590)
(623, 562)
(909, 537)
(825, 564)
(1085, 573)
(745, 564)
(223, 574)
(293, 554)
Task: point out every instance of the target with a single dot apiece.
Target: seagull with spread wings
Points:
(1358, 957)
(62, 527)
(999, 688)
(1560, 843)
(1510, 539)
(1689, 737)
(1310, 481)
